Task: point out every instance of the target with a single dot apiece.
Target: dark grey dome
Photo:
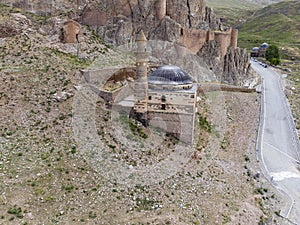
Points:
(169, 74)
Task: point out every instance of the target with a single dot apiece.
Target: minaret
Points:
(141, 81)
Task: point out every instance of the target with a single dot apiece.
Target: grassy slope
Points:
(233, 11)
(230, 3)
(236, 3)
(278, 24)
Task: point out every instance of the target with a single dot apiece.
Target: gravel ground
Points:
(45, 178)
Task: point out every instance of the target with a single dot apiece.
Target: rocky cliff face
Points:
(162, 19)
(237, 68)
(189, 23)
(234, 68)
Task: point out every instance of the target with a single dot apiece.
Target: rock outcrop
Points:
(236, 67)
(190, 23)
(70, 32)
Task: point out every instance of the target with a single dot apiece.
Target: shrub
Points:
(275, 61)
(15, 211)
(204, 124)
(272, 54)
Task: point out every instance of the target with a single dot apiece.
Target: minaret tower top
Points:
(141, 42)
(141, 36)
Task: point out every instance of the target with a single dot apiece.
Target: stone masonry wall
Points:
(180, 125)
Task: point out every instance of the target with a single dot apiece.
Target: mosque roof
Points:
(169, 74)
(264, 45)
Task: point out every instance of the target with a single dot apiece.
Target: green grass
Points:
(217, 4)
(233, 12)
(277, 24)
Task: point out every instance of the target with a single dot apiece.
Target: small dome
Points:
(255, 49)
(169, 75)
(264, 45)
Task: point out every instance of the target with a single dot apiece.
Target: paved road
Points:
(278, 142)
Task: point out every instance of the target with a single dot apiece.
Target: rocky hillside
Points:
(117, 22)
(45, 177)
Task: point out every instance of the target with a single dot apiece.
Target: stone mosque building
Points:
(166, 98)
(259, 51)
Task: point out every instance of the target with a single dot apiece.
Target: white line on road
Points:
(287, 155)
(260, 153)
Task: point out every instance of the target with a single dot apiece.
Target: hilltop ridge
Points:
(277, 23)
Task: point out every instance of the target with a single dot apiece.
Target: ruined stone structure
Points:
(194, 39)
(117, 20)
(190, 24)
(70, 32)
(161, 9)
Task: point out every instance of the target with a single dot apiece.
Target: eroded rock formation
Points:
(236, 68)
(190, 23)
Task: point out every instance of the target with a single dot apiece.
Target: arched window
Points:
(163, 98)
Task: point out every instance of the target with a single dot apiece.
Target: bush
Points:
(204, 124)
(272, 54)
(275, 61)
(16, 211)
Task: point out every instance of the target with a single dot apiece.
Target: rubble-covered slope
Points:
(45, 178)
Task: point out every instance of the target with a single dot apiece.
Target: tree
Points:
(272, 55)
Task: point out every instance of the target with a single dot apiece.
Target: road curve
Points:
(278, 143)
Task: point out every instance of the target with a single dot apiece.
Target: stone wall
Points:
(210, 87)
(109, 96)
(224, 41)
(234, 38)
(180, 125)
(194, 39)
